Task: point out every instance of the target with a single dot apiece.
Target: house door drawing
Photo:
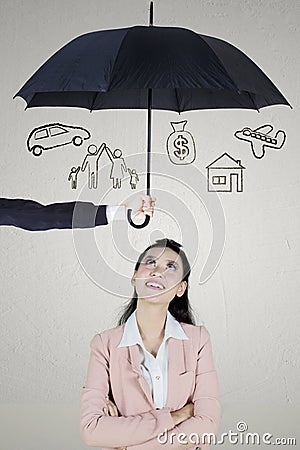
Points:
(236, 182)
(225, 174)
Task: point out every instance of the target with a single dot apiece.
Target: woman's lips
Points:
(155, 285)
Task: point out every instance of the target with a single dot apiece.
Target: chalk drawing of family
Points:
(91, 163)
(118, 167)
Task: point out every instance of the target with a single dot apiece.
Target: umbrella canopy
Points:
(167, 68)
(114, 69)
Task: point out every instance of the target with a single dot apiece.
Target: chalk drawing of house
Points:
(225, 174)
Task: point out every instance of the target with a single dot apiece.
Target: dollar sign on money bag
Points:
(180, 144)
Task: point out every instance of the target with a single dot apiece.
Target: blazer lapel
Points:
(180, 366)
(179, 352)
(134, 353)
(176, 366)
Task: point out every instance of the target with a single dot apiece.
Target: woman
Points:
(152, 375)
(118, 167)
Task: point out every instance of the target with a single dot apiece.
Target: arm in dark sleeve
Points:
(34, 216)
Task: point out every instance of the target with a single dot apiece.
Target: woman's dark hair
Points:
(179, 307)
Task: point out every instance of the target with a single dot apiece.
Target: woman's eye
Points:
(150, 261)
(171, 266)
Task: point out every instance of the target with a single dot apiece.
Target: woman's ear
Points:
(133, 279)
(181, 288)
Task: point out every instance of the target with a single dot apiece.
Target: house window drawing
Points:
(225, 174)
(218, 180)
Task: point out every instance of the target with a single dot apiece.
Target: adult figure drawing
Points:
(153, 374)
(91, 162)
(118, 167)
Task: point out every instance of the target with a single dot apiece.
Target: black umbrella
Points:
(140, 67)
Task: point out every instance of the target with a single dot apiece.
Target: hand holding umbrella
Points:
(139, 206)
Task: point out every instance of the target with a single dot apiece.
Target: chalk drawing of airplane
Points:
(260, 139)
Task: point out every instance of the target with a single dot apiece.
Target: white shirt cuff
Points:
(115, 213)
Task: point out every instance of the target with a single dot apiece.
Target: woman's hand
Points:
(111, 410)
(184, 413)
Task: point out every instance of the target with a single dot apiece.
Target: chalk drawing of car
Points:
(55, 135)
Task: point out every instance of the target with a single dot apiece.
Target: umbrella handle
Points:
(134, 225)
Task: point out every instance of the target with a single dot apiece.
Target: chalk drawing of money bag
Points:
(180, 144)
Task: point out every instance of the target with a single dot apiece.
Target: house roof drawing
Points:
(225, 161)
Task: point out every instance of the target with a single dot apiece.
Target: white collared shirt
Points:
(115, 213)
(154, 370)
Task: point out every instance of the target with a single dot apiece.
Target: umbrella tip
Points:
(151, 15)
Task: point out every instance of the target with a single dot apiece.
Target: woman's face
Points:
(159, 276)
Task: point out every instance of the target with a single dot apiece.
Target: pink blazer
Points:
(116, 372)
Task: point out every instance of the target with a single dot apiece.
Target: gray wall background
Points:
(52, 302)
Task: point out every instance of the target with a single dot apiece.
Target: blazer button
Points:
(157, 377)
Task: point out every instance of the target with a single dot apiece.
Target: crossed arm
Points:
(178, 416)
(140, 431)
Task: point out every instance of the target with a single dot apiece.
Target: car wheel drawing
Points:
(37, 150)
(77, 141)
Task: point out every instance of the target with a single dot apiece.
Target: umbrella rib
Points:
(250, 96)
(177, 100)
(116, 58)
(94, 100)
